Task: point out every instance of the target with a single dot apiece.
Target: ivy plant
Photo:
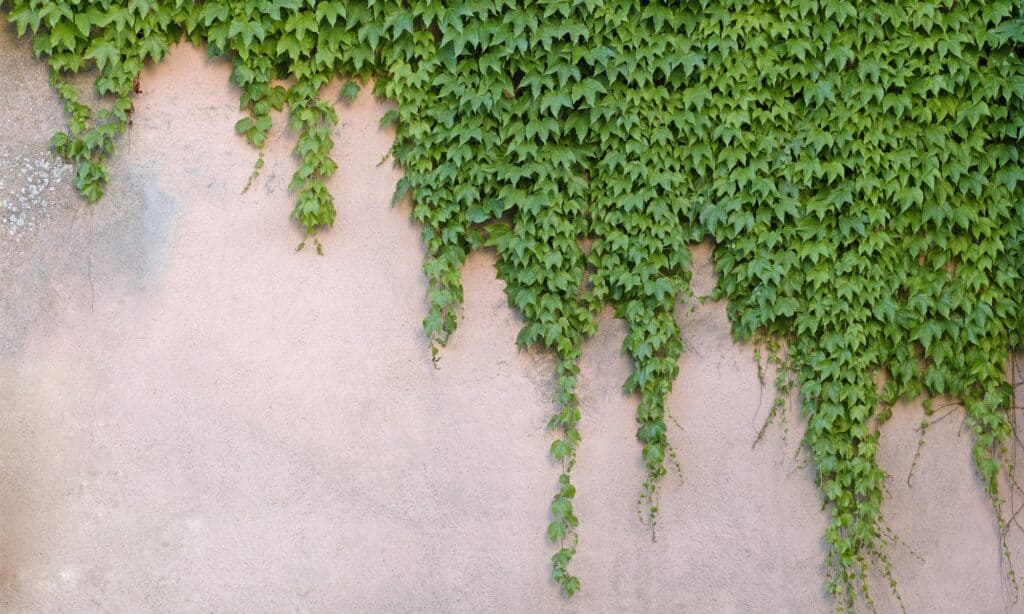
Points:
(858, 167)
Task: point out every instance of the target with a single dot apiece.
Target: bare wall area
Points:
(195, 418)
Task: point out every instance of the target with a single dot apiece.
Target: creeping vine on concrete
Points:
(858, 166)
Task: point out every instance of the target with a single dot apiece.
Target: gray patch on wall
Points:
(151, 229)
(28, 192)
(57, 253)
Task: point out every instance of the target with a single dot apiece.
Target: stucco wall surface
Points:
(196, 418)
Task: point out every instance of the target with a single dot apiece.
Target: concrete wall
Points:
(194, 418)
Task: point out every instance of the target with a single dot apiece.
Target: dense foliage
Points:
(858, 166)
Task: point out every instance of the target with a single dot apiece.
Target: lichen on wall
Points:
(27, 192)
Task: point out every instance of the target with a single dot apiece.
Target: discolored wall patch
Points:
(28, 195)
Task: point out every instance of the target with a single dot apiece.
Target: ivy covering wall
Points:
(857, 165)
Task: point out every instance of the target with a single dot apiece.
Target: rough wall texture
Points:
(194, 418)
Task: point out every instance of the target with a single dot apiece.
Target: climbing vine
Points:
(858, 166)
